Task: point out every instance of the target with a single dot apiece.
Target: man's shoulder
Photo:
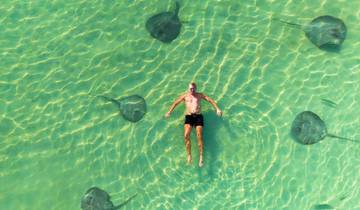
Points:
(202, 95)
(183, 95)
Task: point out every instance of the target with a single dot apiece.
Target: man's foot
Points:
(189, 159)
(201, 162)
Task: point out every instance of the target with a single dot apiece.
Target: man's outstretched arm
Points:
(176, 102)
(212, 102)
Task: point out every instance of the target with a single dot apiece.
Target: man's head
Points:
(192, 87)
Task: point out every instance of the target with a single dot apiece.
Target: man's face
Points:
(192, 88)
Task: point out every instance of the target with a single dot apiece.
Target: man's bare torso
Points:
(193, 103)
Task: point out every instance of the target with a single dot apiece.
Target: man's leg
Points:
(199, 134)
(187, 129)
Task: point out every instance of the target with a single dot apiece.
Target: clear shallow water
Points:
(57, 140)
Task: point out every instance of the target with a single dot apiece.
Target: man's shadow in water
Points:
(212, 124)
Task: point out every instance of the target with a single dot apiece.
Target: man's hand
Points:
(219, 112)
(167, 114)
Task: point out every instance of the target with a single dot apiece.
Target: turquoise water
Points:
(57, 140)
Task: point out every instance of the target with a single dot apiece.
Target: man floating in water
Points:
(193, 118)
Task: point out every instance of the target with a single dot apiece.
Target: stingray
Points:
(326, 32)
(132, 108)
(309, 128)
(165, 26)
(98, 199)
(322, 206)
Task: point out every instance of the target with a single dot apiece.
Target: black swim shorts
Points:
(194, 120)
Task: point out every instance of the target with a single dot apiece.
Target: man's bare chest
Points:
(192, 99)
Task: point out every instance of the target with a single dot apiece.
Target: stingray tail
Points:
(329, 103)
(124, 203)
(289, 23)
(106, 98)
(342, 138)
(177, 8)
